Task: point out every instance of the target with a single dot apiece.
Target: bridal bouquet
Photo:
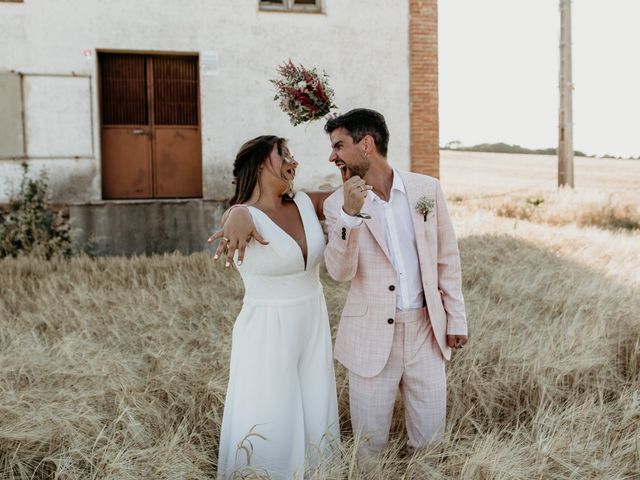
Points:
(304, 94)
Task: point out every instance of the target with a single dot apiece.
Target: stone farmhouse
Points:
(135, 109)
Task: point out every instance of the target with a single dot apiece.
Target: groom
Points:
(405, 310)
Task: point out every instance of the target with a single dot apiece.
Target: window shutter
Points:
(124, 90)
(175, 86)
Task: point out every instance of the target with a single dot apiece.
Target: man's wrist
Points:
(348, 212)
(350, 220)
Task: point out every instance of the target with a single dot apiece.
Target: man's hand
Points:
(355, 191)
(236, 233)
(456, 341)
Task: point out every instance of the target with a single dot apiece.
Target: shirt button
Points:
(390, 321)
(392, 287)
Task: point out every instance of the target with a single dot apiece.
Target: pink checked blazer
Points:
(365, 332)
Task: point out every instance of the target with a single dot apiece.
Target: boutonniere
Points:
(425, 205)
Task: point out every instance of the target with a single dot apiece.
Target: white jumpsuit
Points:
(281, 377)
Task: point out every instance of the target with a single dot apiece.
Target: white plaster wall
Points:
(69, 179)
(362, 45)
(58, 116)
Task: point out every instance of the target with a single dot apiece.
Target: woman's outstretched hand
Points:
(237, 231)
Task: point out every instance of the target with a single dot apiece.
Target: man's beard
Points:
(360, 170)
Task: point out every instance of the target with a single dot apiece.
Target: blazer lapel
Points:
(415, 190)
(375, 226)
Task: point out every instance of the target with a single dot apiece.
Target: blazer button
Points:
(390, 321)
(392, 287)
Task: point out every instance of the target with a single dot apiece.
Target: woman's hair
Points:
(248, 160)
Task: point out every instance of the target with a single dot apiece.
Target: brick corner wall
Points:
(423, 86)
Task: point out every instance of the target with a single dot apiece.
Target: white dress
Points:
(281, 378)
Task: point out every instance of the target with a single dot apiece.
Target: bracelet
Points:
(228, 210)
(236, 205)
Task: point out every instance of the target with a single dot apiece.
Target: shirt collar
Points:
(397, 182)
(396, 185)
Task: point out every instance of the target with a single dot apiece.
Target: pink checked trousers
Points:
(416, 368)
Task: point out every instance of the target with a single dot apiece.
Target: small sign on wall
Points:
(209, 63)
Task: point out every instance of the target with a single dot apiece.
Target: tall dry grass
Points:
(117, 368)
(563, 207)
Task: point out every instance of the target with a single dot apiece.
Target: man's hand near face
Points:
(355, 192)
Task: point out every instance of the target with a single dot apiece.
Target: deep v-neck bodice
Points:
(304, 249)
(284, 255)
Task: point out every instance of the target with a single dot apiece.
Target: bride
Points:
(280, 412)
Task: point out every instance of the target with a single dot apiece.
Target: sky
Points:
(499, 65)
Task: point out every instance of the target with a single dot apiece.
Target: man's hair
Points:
(360, 122)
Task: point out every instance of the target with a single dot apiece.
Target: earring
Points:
(290, 193)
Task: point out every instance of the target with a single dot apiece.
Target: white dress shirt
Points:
(400, 237)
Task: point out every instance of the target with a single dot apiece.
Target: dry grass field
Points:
(116, 368)
(607, 193)
(476, 173)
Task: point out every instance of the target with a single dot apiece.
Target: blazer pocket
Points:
(355, 309)
(442, 300)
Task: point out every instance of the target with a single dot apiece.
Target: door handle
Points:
(139, 131)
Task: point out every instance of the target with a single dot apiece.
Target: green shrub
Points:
(535, 201)
(31, 227)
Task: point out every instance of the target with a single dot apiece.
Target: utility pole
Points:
(565, 134)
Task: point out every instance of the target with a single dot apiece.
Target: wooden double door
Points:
(150, 131)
